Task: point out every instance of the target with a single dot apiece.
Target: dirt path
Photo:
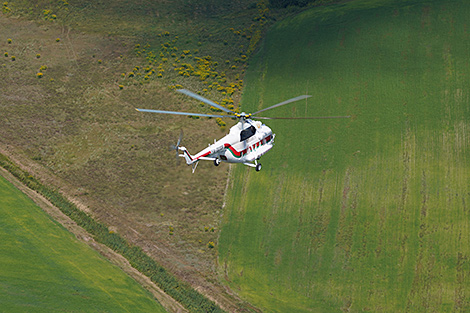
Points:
(169, 303)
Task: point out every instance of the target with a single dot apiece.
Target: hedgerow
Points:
(178, 290)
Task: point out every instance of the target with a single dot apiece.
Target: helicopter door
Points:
(247, 133)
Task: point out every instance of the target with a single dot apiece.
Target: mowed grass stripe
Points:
(369, 213)
(43, 268)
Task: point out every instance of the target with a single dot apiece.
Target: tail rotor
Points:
(175, 147)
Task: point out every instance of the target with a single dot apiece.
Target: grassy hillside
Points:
(370, 213)
(43, 268)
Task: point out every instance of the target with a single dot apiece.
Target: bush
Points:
(5, 8)
(220, 122)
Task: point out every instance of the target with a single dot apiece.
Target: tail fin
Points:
(188, 157)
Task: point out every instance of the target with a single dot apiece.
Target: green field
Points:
(43, 268)
(369, 213)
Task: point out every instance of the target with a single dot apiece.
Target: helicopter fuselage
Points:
(246, 142)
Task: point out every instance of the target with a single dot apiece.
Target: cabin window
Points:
(247, 133)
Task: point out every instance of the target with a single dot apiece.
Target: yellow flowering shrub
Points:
(5, 8)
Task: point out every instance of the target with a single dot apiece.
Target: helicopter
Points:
(246, 141)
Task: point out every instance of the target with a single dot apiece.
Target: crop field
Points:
(43, 268)
(369, 213)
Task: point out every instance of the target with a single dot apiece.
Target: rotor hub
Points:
(243, 115)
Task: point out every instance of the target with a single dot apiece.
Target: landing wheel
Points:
(258, 167)
(216, 162)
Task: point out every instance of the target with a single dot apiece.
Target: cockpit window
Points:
(247, 133)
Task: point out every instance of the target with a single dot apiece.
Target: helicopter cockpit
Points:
(247, 133)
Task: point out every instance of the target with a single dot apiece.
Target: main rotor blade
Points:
(300, 118)
(181, 113)
(201, 98)
(282, 103)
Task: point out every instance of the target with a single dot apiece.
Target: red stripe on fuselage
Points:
(243, 152)
(204, 155)
(232, 149)
(236, 153)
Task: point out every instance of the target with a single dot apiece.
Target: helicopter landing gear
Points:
(257, 165)
(217, 162)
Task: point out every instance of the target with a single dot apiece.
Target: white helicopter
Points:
(246, 142)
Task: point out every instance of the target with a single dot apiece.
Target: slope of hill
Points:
(370, 213)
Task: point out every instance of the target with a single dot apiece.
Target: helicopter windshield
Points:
(247, 133)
